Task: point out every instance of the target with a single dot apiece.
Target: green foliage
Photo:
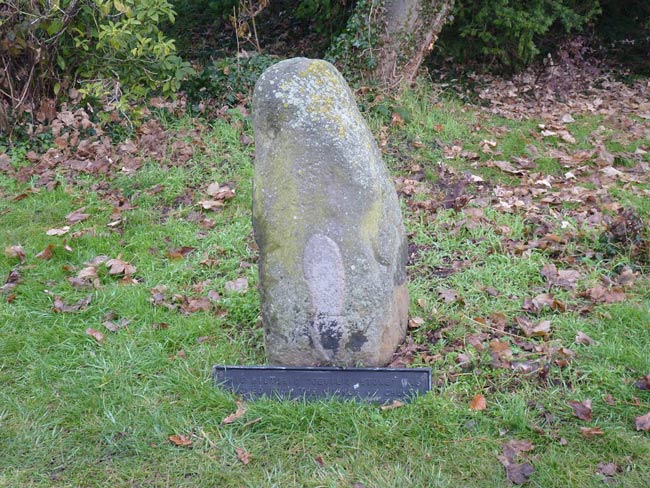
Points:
(510, 32)
(228, 80)
(352, 50)
(328, 16)
(111, 48)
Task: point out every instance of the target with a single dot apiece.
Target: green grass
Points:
(75, 412)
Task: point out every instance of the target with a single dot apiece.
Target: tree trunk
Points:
(410, 29)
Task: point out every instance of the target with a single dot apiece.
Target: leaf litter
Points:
(523, 344)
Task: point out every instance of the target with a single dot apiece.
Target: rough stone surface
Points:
(327, 222)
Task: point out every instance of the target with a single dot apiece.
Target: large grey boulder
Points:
(327, 223)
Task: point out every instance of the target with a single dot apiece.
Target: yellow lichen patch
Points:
(371, 220)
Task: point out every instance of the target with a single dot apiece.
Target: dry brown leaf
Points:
(115, 326)
(211, 204)
(118, 266)
(395, 404)
(61, 307)
(643, 383)
(506, 167)
(627, 277)
(46, 253)
(541, 329)
(241, 410)
(608, 469)
(240, 285)
(517, 473)
(95, 334)
(58, 232)
(180, 440)
(220, 192)
(13, 279)
(602, 294)
(242, 455)
(591, 431)
(179, 252)
(396, 120)
(582, 410)
(478, 403)
(609, 399)
(76, 216)
(13, 252)
(584, 339)
(643, 422)
(449, 295)
(564, 278)
(415, 322)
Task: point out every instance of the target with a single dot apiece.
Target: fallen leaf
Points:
(608, 469)
(541, 329)
(643, 383)
(245, 140)
(609, 399)
(13, 252)
(643, 422)
(58, 232)
(396, 120)
(180, 440)
(564, 278)
(540, 301)
(506, 167)
(582, 410)
(591, 431)
(211, 204)
(76, 216)
(115, 326)
(241, 410)
(242, 455)
(395, 404)
(203, 304)
(46, 253)
(240, 285)
(415, 322)
(223, 192)
(478, 403)
(61, 307)
(517, 473)
(611, 172)
(179, 252)
(584, 339)
(95, 334)
(117, 266)
(602, 294)
(13, 279)
(627, 277)
(89, 274)
(449, 295)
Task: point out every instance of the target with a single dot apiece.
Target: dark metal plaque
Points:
(372, 384)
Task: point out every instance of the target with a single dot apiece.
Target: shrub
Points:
(110, 49)
(508, 33)
(228, 80)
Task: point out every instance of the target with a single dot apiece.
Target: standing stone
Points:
(327, 222)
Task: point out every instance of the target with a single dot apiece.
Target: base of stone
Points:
(378, 385)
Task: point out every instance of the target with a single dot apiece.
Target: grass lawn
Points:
(529, 286)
